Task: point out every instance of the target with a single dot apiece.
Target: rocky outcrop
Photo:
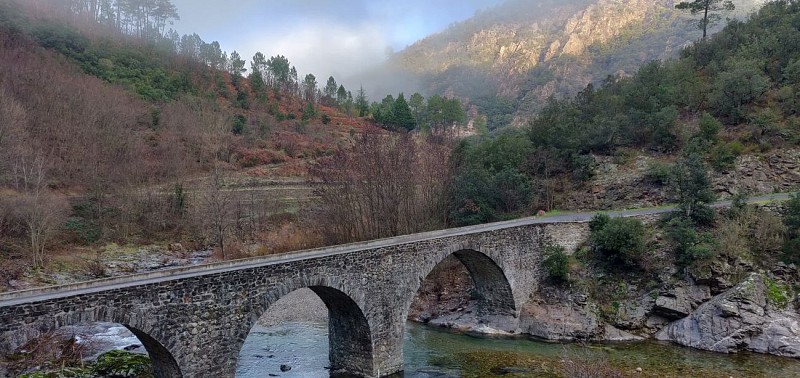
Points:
(751, 316)
(621, 181)
(560, 321)
(679, 302)
(777, 171)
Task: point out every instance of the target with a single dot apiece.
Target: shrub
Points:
(239, 124)
(777, 294)
(83, 230)
(120, 363)
(618, 239)
(688, 245)
(556, 263)
(791, 219)
(723, 157)
(658, 173)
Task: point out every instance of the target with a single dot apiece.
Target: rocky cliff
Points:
(530, 50)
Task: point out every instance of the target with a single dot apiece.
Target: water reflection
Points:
(433, 352)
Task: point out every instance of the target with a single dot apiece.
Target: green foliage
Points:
(688, 244)
(472, 197)
(723, 156)
(402, 118)
(499, 164)
(513, 190)
(115, 363)
(309, 112)
(734, 88)
(791, 74)
(709, 129)
(620, 240)
(142, 68)
(499, 111)
(123, 364)
(326, 119)
(658, 173)
(178, 199)
(556, 263)
(84, 230)
(724, 79)
(777, 294)
(66, 372)
(791, 219)
(691, 188)
(709, 9)
(738, 204)
(239, 124)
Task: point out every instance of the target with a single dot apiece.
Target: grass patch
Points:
(777, 294)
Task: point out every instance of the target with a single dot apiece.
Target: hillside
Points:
(727, 105)
(109, 138)
(527, 51)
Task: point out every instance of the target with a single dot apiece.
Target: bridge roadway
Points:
(193, 320)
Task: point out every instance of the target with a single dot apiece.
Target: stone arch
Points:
(164, 363)
(349, 333)
(497, 306)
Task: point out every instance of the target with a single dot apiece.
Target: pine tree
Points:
(401, 114)
(709, 9)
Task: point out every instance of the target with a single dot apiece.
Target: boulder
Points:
(680, 301)
(742, 318)
(560, 321)
(614, 334)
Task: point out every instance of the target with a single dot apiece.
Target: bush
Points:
(83, 230)
(618, 239)
(791, 219)
(120, 363)
(658, 173)
(688, 245)
(556, 263)
(239, 124)
(723, 156)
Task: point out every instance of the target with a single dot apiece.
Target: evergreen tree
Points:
(691, 187)
(709, 9)
(330, 88)
(401, 114)
(341, 95)
(236, 64)
(416, 103)
(362, 103)
(310, 88)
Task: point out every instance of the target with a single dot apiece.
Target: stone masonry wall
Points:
(195, 326)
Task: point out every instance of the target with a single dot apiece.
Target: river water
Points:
(436, 352)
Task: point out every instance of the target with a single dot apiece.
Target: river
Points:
(436, 352)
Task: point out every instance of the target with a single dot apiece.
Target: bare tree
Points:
(42, 212)
(215, 211)
(388, 184)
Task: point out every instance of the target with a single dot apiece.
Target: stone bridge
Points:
(193, 321)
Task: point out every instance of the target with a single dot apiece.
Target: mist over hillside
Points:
(527, 51)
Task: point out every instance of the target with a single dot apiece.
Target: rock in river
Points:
(742, 318)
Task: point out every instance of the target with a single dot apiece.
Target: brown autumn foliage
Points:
(387, 184)
(113, 167)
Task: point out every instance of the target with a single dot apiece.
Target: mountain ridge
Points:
(529, 51)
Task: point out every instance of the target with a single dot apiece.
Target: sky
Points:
(323, 37)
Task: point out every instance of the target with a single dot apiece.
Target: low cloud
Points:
(325, 49)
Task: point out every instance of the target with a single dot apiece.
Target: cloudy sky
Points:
(323, 37)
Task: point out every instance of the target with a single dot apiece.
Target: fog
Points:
(342, 38)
